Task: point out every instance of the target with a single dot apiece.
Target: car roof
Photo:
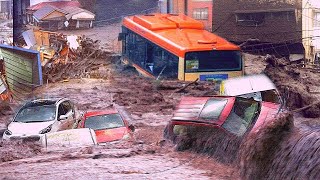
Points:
(101, 112)
(247, 84)
(45, 101)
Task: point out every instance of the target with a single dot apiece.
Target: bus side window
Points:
(166, 64)
(138, 50)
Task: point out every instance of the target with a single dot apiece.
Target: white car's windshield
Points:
(36, 114)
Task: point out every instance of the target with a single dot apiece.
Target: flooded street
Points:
(279, 139)
(146, 156)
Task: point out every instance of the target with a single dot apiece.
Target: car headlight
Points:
(46, 130)
(7, 132)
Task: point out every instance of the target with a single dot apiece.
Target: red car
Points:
(234, 115)
(109, 125)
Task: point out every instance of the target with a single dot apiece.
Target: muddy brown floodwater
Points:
(285, 149)
(147, 156)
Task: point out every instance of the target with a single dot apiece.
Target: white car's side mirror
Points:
(63, 117)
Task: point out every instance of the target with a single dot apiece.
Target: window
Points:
(67, 106)
(250, 19)
(282, 15)
(200, 13)
(241, 117)
(316, 19)
(106, 121)
(208, 61)
(213, 108)
(150, 56)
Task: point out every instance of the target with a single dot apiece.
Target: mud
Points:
(296, 84)
(142, 95)
(215, 143)
(281, 151)
(18, 149)
(145, 156)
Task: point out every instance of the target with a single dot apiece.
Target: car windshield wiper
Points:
(32, 121)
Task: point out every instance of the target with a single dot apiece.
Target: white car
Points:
(41, 116)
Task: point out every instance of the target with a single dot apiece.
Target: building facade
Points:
(260, 26)
(200, 10)
(311, 30)
(265, 26)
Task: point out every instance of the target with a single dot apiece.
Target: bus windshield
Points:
(208, 61)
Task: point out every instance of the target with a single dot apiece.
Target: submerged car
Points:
(109, 125)
(41, 116)
(234, 115)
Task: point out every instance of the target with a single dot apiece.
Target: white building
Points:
(311, 30)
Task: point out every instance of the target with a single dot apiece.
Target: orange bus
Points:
(173, 46)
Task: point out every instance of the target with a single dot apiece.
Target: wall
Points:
(192, 4)
(187, 6)
(277, 34)
(273, 30)
(310, 33)
(23, 69)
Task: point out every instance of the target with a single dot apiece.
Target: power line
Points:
(297, 40)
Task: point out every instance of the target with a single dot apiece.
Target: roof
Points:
(101, 112)
(72, 11)
(247, 84)
(45, 11)
(46, 101)
(176, 33)
(57, 4)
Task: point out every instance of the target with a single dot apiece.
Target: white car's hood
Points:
(18, 128)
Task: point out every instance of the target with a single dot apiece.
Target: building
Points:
(5, 9)
(58, 4)
(197, 9)
(79, 18)
(311, 30)
(265, 26)
(50, 18)
(56, 15)
(260, 26)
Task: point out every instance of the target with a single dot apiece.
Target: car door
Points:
(69, 113)
(62, 122)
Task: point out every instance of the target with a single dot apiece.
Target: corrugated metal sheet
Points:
(2, 86)
(45, 11)
(23, 69)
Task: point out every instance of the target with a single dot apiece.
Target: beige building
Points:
(311, 30)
